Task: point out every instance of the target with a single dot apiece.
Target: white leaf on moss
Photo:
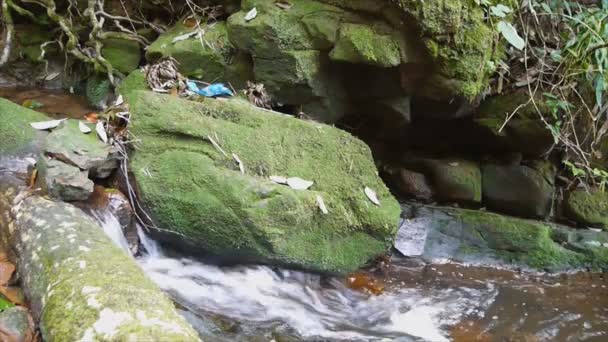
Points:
(321, 205)
(83, 127)
(371, 194)
(51, 76)
(251, 14)
(500, 10)
(44, 125)
(184, 36)
(101, 132)
(279, 179)
(510, 33)
(297, 183)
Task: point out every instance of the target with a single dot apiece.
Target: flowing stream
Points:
(420, 302)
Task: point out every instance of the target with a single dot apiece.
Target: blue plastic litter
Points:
(213, 90)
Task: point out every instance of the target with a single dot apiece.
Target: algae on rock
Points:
(191, 188)
(15, 131)
(589, 208)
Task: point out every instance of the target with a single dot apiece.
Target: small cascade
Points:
(112, 228)
(152, 247)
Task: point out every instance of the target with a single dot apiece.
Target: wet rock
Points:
(524, 132)
(16, 325)
(451, 179)
(366, 45)
(16, 134)
(412, 184)
(84, 151)
(124, 55)
(193, 189)
(72, 274)
(588, 208)
(491, 239)
(520, 190)
(63, 181)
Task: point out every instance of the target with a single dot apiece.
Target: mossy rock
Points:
(455, 180)
(29, 39)
(360, 43)
(482, 237)
(191, 188)
(206, 58)
(97, 90)
(524, 132)
(520, 190)
(588, 208)
(459, 41)
(16, 133)
(124, 55)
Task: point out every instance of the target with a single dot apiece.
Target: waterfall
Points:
(112, 228)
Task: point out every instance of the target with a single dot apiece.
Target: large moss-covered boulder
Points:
(588, 208)
(520, 190)
(482, 237)
(80, 286)
(524, 131)
(16, 133)
(195, 190)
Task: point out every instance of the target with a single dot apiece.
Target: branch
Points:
(9, 32)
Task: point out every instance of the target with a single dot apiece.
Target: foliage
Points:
(564, 57)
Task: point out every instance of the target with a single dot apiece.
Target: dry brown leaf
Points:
(6, 272)
(32, 181)
(3, 256)
(13, 294)
(91, 117)
(173, 91)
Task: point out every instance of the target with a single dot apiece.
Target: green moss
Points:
(363, 44)
(77, 279)
(461, 42)
(98, 89)
(203, 58)
(456, 180)
(15, 130)
(124, 55)
(527, 242)
(589, 208)
(195, 190)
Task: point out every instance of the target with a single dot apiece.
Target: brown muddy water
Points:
(414, 301)
(55, 103)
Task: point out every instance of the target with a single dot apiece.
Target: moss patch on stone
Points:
(460, 42)
(205, 58)
(363, 44)
(588, 208)
(124, 55)
(15, 131)
(193, 189)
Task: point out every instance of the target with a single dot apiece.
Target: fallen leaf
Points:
(14, 294)
(251, 14)
(189, 22)
(6, 272)
(51, 76)
(44, 125)
(101, 132)
(119, 100)
(32, 181)
(297, 183)
(279, 179)
(184, 36)
(83, 128)
(283, 4)
(173, 92)
(3, 256)
(321, 205)
(454, 164)
(32, 104)
(91, 117)
(238, 161)
(371, 194)
(365, 283)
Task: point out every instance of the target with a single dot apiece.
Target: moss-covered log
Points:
(80, 285)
